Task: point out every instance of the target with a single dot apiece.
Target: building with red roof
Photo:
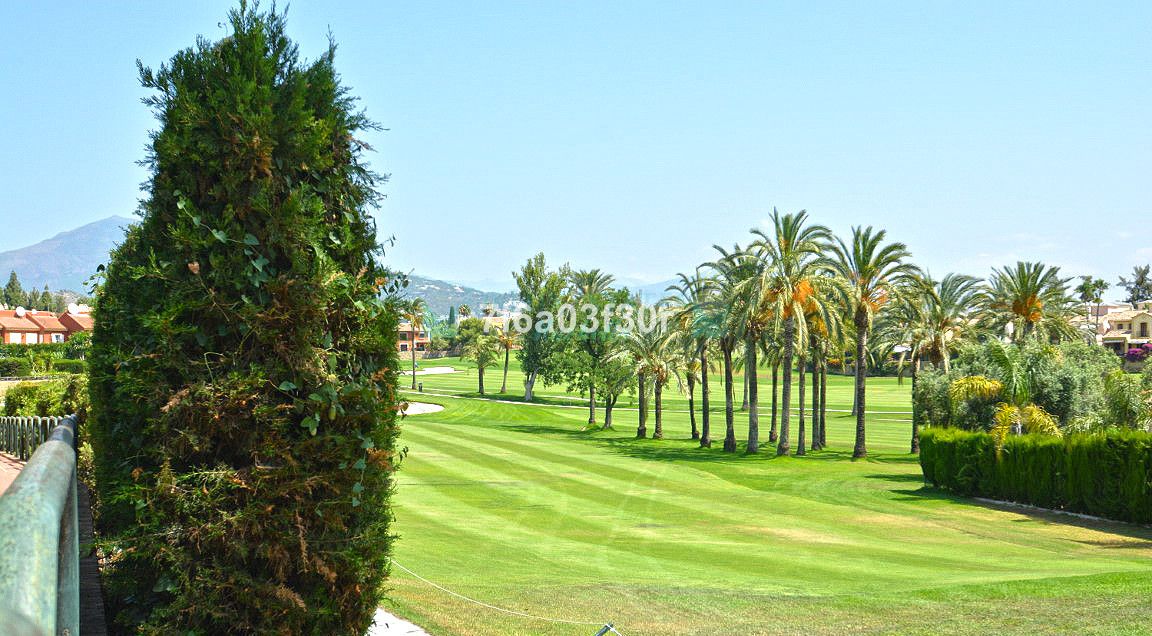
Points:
(28, 326)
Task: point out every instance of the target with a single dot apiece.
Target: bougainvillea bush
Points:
(243, 363)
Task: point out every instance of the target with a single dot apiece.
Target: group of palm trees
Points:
(798, 299)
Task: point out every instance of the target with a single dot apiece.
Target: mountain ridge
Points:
(67, 260)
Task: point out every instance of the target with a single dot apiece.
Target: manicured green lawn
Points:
(513, 505)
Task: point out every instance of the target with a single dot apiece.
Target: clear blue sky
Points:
(632, 136)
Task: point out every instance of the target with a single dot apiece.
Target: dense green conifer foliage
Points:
(243, 364)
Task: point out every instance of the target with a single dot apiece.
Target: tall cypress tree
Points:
(13, 292)
(243, 367)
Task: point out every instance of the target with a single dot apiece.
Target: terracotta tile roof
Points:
(9, 321)
(1119, 316)
(47, 321)
(76, 322)
(1117, 334)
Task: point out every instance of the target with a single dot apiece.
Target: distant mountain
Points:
(67, 260)
(440, 295)
(655, 292)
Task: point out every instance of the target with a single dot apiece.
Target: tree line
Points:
(795, 300)
(13, 295)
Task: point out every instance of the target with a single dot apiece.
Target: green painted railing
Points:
(39, 548)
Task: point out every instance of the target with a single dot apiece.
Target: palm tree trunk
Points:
(782, 447)
(481, 370)
(744, 404)
(692, 404)
(824, 406)
(504, 384)
(659, 394)
(751, 378)
(915, 412)
(705, 416)
(642, 429)
(609, 402)
(775, 394)
(800, 440)
(861, 448)
(412, 350)
(816, 402)
(729, 415)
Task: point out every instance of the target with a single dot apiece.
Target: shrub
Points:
(9, 350)
(49, 398)
(243, 362)
(68, 366)
(1126, 404)
(1067, 381)
(14, 367)
(1106, 475)
(1136, 354)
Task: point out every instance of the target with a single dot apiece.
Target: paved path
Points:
(9, 468)
(389, 625)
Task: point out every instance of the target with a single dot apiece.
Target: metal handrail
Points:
(39, 545)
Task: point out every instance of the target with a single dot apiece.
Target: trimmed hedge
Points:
(52, 398)
(9, 350)
(68, 366)
(14, 367)
(1105, 475)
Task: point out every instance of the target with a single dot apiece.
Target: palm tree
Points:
(1090, 291)
(655, 364)
(589, 287)
(771, 351)
(484, 350)
(926, 322)
(464, 311)
(683, 303)
(1028, 299)
(753, 313)
(735, 271)
(693, 295)
(587, 283)
(508, 339)
(824, 333)
(413, 312)
(871, 269)
(791, 284)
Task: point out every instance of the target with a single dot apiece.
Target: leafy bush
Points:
(1106, 475)
(68, 366)
(48, 398)
(243, 365)
(9, 350)
(930, 400)
(14, 367)
(77, 345)
(1126, 401)
(1066, 380)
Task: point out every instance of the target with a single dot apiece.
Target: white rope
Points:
(495, 608)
